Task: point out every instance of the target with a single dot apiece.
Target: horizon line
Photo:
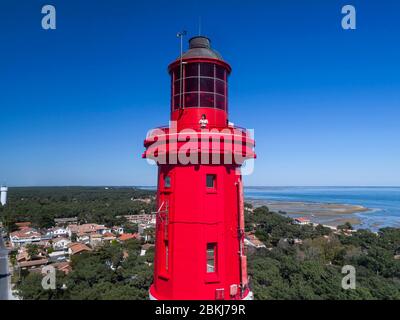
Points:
(245, 186)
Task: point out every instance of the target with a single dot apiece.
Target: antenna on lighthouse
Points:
(180, 35)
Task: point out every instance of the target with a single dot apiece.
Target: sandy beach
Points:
(332, 214)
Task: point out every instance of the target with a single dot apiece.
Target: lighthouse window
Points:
(207, 100)
(192, 70)
(211, 255)
(220, 72)
(177, 73)
(207, 70)
(167, 182)
(219, 87)
(191, 84)
(176, 102)
(210, 180)
(219, 102)
(204, 85)
(191, 100)
(177, 86)
(207, 84)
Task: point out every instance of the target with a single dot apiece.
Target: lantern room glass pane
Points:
(206, 84)
(226, 98)
(176, 103)
(177, 87)
(219, 87)
(191, 84)
(206, 100)
(192, 70)
(220, 102)
(191, 100)
(177, 73)
(207, 70)
(220, 72)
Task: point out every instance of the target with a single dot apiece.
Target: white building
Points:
(83, 238)
(144, 226)
(3, 196)
(58, 256)
(302, 221)
(25, 236)
(95, 240)
(59, 232)
(61, 244)
(118, 230)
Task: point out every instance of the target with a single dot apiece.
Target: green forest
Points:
(90, 204)
(299, 262)
(312, 270)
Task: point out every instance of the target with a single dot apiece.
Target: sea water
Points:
(383, 202)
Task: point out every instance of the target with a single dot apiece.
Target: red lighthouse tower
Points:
(200, 220)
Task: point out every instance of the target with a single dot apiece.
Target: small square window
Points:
(210, 181)
(167, 182)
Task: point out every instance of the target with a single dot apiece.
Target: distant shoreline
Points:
(332, 214)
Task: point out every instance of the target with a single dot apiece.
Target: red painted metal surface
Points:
(200, 223)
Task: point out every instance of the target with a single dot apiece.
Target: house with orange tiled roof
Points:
(109, 236)
(63, 266)
(24, 236)
(87, 228)
(32, 264)
(251, 240)
(302, 221)
(76, 247)
(128, 236)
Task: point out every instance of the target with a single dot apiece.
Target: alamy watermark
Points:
(49, 278)
(49, 20)
(187, 146)
(349, 20)
(349, 280)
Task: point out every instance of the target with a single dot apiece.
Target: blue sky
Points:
(76, 102)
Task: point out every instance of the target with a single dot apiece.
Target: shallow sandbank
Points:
(332, 214)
